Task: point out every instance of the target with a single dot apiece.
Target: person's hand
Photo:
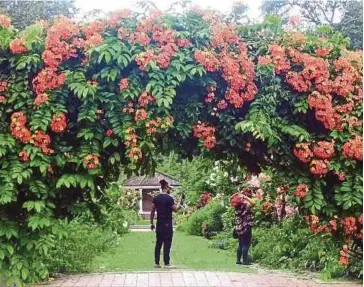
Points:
(152, 227)
(180, 198)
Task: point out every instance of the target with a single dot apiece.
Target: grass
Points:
(136, 251)
(143, 222)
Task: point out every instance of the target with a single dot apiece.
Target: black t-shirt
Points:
(163, 203)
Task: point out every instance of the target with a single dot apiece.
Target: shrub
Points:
(206, 221)
(74, 251)
(290, 244)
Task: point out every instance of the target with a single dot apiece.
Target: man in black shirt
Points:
(164, 204)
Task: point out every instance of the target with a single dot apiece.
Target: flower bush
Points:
(81, 101)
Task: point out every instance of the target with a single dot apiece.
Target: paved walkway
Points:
(189, 279)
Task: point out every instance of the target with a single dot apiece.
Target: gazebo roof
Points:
(146, 181)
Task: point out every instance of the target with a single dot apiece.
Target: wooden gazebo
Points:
(147, 186)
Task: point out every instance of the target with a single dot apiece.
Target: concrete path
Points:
(189, 279)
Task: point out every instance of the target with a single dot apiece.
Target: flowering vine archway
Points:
(77, 101)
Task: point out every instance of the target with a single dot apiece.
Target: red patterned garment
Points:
(243, 219)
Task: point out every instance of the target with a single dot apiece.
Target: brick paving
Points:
(190, 279)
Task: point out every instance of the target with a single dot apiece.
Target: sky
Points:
(221, 5)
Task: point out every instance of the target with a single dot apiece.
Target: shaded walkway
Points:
(190, 279)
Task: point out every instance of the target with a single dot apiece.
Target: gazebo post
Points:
(141, 202)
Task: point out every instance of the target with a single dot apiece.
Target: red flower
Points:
(303, 152)
(140, 115)
(301, 190)
(205, 198)
(48, 79)
(18, 129)
(24, 156)
(3, 86)
(333, 224)
(124, 84)
(324, 150)
(109, 132)
(5, 21)
(354, 148)
(43, 141)
(2, 99)
(207, 60)
(266, 60)
(344, 256)
(319, 166)
(221, 105)
(41, 98)
(267, 207)
(210, 97)
(91, 161)
(322, 52)
(145, 98)
(59, 123)
(206, 133)
(17, 46)
(340, 175)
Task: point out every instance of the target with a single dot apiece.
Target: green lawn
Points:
(143, 222)
(136, 250)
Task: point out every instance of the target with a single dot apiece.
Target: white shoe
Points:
(168, 266)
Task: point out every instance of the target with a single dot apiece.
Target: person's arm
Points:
(176, 207)
(251, 201)
(152, 214)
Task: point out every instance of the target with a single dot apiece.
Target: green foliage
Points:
(192, 174)
(75, 251)
(206, 221)
(291, 245)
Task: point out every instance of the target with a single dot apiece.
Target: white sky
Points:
(221, 5)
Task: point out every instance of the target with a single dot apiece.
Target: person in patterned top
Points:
(243, 202)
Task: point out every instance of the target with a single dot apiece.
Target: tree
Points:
(344, 15)
(25, 13)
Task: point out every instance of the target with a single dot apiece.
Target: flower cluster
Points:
(206, 133)
(5, 21)
(140, 115)
(117, 16)
(205, 198)
(3, 88)
(144, 58)
(207, 60)
(58, 47)
(48, 79)
(303, 152)
(301, 190)
(109, 132)
(135, 154)
(131, 139)
(59, 123)
(144, 99)
(153, 125)
(42, 141)
(319, 166)
(354, 148)
(129, 108)
(23, 155)
(344, 256)
(17, 46)
(267, 207)
(91, 161)
(18, 128)
(41, 98)
(324, 150)
(123, 84)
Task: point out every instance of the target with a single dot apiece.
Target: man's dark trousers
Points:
(164, 233)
